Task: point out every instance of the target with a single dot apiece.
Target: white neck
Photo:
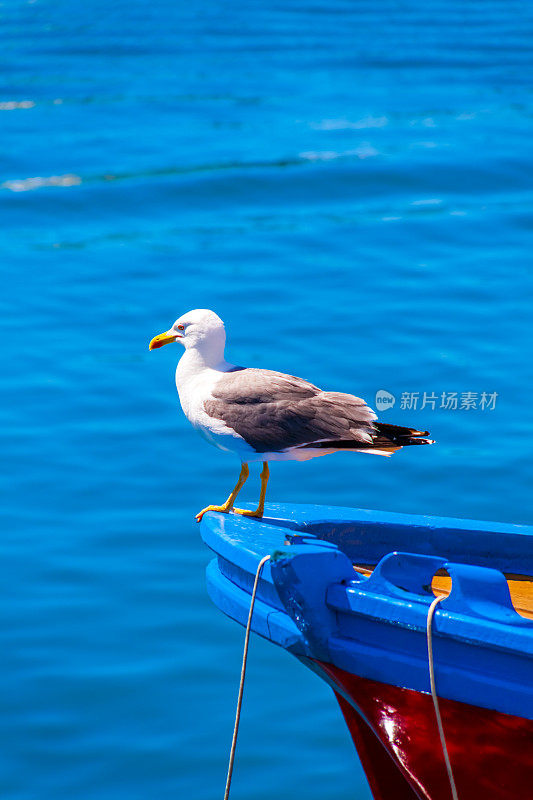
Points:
(195, 361)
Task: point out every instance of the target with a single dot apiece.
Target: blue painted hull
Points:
(350, 627)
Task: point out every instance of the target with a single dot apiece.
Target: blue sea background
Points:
(348, 184)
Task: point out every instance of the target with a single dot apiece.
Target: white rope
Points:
(431, 611)
(243, 673)
(431, 663)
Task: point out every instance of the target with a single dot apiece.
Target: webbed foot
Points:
(225, 509)
(244, 512)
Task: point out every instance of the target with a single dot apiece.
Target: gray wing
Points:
(273, 411)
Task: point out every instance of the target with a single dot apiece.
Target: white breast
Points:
(195, 384)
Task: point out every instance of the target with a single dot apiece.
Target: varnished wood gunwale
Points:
(520, 588)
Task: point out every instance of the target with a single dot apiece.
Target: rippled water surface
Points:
(348, 185)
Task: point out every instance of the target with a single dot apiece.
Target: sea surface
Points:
(348, 184)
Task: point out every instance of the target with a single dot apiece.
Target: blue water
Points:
(348, 185)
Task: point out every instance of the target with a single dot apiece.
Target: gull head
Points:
(200, 329)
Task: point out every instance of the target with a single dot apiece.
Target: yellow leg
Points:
(261, 507)
(228, 505)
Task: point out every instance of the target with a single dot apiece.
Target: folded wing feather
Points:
(273, 411)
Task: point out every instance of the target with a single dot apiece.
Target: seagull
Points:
(261, 415)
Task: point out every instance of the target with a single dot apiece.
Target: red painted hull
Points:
(396, 736)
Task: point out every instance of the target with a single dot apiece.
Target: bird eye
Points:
(181, 327)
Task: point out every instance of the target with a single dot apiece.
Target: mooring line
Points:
(431, 662)
(243, 674)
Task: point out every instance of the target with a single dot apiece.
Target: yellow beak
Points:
(163, 338)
